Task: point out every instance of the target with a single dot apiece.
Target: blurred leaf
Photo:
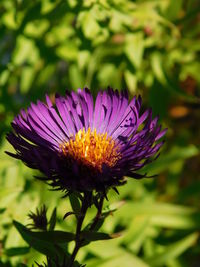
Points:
(37, 28)
(9, 20)
(25, 51)
(157, 66)
(4, 77)
(83, 59)
(102, 249)
(76, 77)
(8, 194)
(122, 259)
(27, 78)
(165, 161)
(32, 13)
(157, 62)
(162, 214)
(174, 9)
(67, 51)
(114, 206)
(89, 25)
(135, 235)
(176, 221)
(131, 81)
(173, 251)
(134, 48)
(109, 74)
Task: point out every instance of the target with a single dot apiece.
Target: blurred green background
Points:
(151, 47)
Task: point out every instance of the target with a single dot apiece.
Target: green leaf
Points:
(34, 241)
(44, 242)
(8, 194)
(162, 214)
(102, 249)
(27, 78)
(49, 236)
(131, 80)
(105, 213)
(174, 9)
(89, 25)
(114, 206)
(100, 222)
(107, 73)
(157, 66)
(168, 160)
(52, 221)
(67, 51)
(95, 236)
(173, 251)
(134, 48)
(25, 50)
(123, 258)
(163, 76)
(16, 251)
(76, 76)
(75, 203)
(55, 236)
(136, 233)
(8, 191)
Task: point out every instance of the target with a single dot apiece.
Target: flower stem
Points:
(85, 204)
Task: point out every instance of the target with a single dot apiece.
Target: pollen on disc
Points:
(92, 149)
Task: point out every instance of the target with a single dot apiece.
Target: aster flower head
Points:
(84, 145)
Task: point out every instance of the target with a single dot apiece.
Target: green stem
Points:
(78, 241)
(85, 205)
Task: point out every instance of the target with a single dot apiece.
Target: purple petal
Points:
(65, 115)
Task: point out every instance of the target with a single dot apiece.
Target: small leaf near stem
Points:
(98, 214)
(52, 221)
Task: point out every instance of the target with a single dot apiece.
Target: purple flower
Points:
(81, 145)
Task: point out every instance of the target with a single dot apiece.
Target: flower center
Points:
(92, 149)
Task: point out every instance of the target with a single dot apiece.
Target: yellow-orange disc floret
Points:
(92, 149)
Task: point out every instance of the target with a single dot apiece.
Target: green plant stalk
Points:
(86, 203)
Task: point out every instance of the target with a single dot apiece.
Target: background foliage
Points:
(151, 47)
